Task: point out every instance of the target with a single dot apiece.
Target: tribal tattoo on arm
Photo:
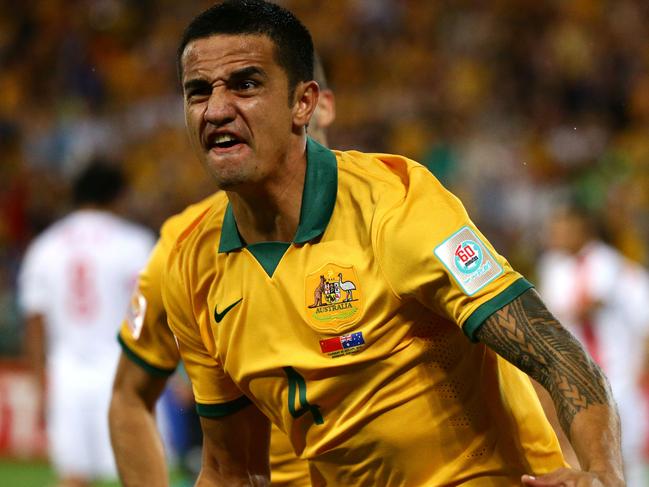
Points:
(526, 334)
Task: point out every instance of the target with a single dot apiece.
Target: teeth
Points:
(222, 138)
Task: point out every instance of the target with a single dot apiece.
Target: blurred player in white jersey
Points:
(602, 298)
(74, 287)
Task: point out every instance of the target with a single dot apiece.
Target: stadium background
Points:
(513, 104)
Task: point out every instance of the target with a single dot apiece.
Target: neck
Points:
(270, 211)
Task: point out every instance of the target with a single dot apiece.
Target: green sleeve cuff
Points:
(151, 369)
(485, 310)
(223, 409)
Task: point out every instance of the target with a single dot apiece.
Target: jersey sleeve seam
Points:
(223, 409)
(136, 359)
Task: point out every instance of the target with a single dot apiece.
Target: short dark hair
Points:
(100, 183)
(293, 43)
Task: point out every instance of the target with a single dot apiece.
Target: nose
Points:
(220, 109)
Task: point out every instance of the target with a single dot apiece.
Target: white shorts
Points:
(77, 423)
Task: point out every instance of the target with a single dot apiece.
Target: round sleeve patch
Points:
(468, 260)
(135, 314)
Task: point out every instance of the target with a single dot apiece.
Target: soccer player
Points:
(601, 296)
(74, 285)
(349, 299)
(150, 355)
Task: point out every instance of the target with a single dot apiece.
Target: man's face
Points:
(567, 233)
(237, 110)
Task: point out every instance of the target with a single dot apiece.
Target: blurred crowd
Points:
(514, 104)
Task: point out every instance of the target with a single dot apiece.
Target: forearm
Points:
(137, 445)
(586, 409)
(235, 450)
(588, 415)
(35, 355)
(550, 412)
(35, 349)
(214, 477)
(593, 432)
(138, 448)
(525, 333)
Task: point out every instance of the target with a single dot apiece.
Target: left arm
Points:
(235, 450)
(137, 445)
(525, 333)
(35, 344)
(547, 404)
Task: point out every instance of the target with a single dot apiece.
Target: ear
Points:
(305, 102)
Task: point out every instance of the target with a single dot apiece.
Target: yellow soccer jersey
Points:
(147, 340)
(357, 337)
(144, 335)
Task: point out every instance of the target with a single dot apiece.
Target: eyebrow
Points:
(247, 72)
(243, 73)
(194, 83)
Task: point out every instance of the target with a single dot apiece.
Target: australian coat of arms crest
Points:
(333, 297)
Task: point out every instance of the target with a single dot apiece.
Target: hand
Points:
(568, 477)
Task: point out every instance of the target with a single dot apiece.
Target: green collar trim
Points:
(230, 238)
(320, 188)
(318, 200)
(485, 310)
(223, 409)
(268, 254)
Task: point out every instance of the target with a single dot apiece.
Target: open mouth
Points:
(223, 141)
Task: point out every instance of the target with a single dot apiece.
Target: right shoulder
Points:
(47, 241)
(192, 246)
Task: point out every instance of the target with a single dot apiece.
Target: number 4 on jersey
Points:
(296, 381)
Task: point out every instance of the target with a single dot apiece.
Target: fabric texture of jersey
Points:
(78, 275)
(362, 325)
(147, 340)
(145, 336)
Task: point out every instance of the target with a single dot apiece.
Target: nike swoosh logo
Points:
(219, 316)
